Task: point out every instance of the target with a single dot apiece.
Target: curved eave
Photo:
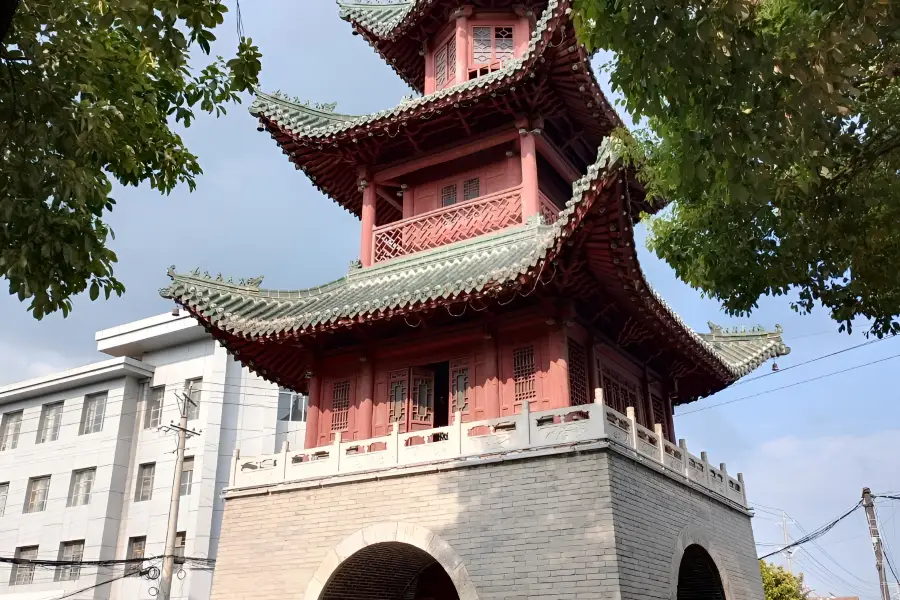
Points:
(244, 316)
(307, 135)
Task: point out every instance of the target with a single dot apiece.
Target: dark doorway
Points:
(698, 576)
(390, 571)
(441, 393)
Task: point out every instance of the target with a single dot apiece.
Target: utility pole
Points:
(788, 553)
(876, 542)
(165, 585)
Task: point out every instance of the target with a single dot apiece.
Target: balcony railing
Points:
(549, 210)
(449, 224)
(522, 432)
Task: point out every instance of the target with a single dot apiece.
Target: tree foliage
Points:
(89, 93)
(778, 584)
(773, 127)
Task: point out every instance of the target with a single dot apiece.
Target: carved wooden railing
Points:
(549, 210)
(449, 224)
(527, 430)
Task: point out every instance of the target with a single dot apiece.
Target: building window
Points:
(10, 426)
(445, 64)
(340, 405)
(73, 552)
(192, 389)
(578, 381)
(397, 399)
(144, 488)
(80, 488)
(4, 493)
(523, 373)
(491, 48)
(36, 494)
(136, 549)
(471, 188)
(180, 542)
(448, 195)
(153, 410)
(24, 574)
(292, 406)
(93, 413)
(187, 475)
(659, 414)
(459, 385)
(618, 392)
(48, 426)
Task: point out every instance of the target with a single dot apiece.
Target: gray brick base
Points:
(595, 524)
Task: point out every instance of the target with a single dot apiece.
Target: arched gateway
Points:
(390, 571)
(698, 576)
(392, 561)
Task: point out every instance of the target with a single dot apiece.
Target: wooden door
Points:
(411, 399)
(421, 401)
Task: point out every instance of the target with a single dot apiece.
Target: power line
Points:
(812, 360)
(815, 534)
(784, 387)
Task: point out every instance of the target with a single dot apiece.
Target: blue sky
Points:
(807, 450)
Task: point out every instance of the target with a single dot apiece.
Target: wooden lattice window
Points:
(491, 47)
(340, 405)
(445, 64)
(423, 396)
(448, 195)
(523, 373)
(471, 188)
(459, 385)
(397, 397)
(618, 392)
(659, 413)
(578, 383)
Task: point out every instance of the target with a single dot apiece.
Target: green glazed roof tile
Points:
(380, 19)
(245, 309)
(313, 122)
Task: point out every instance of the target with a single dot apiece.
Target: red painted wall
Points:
(494, 169)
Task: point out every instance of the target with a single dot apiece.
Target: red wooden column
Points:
(313, 411)
(463, 43)
(409, 202)
(367, 184)
(366, 399)
(491, 378)
(528, 152)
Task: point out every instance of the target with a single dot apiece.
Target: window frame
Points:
(179, 550)
(189, 473)
(459, 183)
(10, 441)
(153, 405)
(474, 69)
(195, 385)
(447, 42)
(68, 552)
(29, 569)
(4, 496)
(141, 479)
(135, 568)
(42, 422)
(30, 502)
(71, 500)
(92, 417)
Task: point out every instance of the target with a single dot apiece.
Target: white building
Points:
(86, 471)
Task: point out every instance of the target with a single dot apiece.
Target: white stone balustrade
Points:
(460, 441)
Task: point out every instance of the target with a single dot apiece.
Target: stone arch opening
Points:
(698, 576)
(390, 571)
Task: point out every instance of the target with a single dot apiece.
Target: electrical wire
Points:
(815, 534)
(812, 360)
(784, 387)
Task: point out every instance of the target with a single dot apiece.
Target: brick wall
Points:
(590, 525)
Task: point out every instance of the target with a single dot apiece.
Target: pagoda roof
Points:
(242, 314)
(380, 20)
(325, 144)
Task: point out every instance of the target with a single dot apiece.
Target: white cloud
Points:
(815, 480)
(19, 362)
